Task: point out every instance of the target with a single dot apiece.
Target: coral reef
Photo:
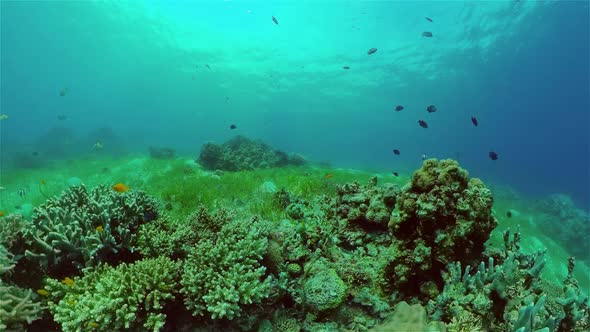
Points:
(407, 317)
(128, 297)
(241, 153)
(17, 305)
(81, 228)
(442, 216)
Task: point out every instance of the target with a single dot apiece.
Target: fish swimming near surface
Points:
(427, 34)
(474, 121)
(493, 155)
(431, 109)
(371, 51)
(120, 187)
(396, 152)
(399, 108)
(423, 123)
(233, 126)
(346, 67)
(395, 173)
(274, 19)
(428, 19)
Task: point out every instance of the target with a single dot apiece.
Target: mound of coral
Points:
(241, 153)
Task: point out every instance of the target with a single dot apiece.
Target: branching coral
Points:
(81, 228)
(114, 299)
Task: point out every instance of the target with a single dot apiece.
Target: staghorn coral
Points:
(440, 217)
(114, 299)
(81, 228)
(17, 305)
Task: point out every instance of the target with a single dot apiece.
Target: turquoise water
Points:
(133, 75)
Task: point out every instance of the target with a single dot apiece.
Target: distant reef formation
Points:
(241, 153)
(351, 259)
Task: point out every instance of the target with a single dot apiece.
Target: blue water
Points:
(520, 67)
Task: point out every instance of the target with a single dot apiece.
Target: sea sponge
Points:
(115, 299)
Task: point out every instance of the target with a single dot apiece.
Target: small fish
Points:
(431, 109)
(424, 156)
(371, 51)
(99, 229)
(346, 67)
(67, 281)
(428, 19)
(423, 123)
(509, 214)
(396, 152)
(98, 146)
(63, 92)
(207, 65)
(474, 121)
(43, 182)
(71, 302)
(42, 292)
(120, 188)
(399, 108)
(2, 213)
(3, 116)
(35, 153)
(395, 173)
(493, 155)
(22, 192)
(274, 19)
(62, 117)
(233, 126)
(328, 176)
(427, 34)
(93, 325)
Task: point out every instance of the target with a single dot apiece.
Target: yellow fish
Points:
(43, 182)
(2, 213)
(120, 187)
(99, 229)
(93, 325)
(42, 292)
(68, 281)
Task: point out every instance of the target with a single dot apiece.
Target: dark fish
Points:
(431, 109)
(35, 153)
(61, 117)
(371, 51)
(395, 173)
(509, 214)
(399, 108)
(493, 155)
(424, 156)
(428, 19)
(396, 152)
(346, 67)
(274, 19)
(233, 126)
(22, 193)
(63, 92)
(423, 123)
(474, 121)
(206, 65)
(426, 34)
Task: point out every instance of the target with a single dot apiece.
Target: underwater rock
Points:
(162, 153)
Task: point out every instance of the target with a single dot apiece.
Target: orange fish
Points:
(2, 213)
(328, 176)
(120, 187)
(43, 182)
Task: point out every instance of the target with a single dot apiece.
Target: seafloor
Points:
(285, 248)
